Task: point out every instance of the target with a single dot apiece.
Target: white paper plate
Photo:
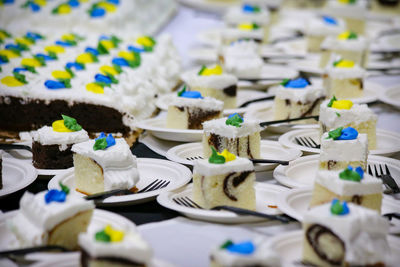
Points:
(188, 153)
(289, 247)
(149, 170)
(157, 127)
(301, 172)
(388, 142)
(242, 96)
(72, 259)
(211, 6)
(391, 96)
(16, 175)
(266, 194)
(159, 146)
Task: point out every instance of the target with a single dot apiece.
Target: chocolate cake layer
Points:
(50, 156)
(198, 116)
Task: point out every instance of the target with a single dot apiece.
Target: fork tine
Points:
(152, 183)
(193, 203)
(298, 141)
(313, 142)
(369, 170)
(162, 185)
(188, 204)
(306, 141)
(387, 169)
(156, 185)
(178, 201)
(381, 168)
(376, 171)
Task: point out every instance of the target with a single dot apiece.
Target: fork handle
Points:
(266, 123)
(253, 213)
(30, 250)
(283, 162)
(15, 146)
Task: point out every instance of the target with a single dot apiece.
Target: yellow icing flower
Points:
(345, 64)
(217, 70)
(8, 53)
(64, 9)
(40, 2)
(61, 74)
(115, 235)
(59, 126)
(30, 62)
(227, 155)
(68, 37)
(108, 69)
(344, 35)
(11, 81)
(107, 44)
(107, 6)
(24, 41)
(94, 88)
(126, 55)
(55, 49)
(342, 104)
(2, 35)
(246, 26)
(144, 41)
(84, 58)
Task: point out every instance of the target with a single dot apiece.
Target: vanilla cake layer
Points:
(354, 14)
(328, 185)
(56, 223)
(344, 82)
(103, 170)
(231, 183)
(242, 141)
(338, 154)
(317, 29)
(354, 239)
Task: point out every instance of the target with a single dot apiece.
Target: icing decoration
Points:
(33, 36)
(18, 70)
(189, 94)
(62, 9)
(347, 2)
(234, 120)
(76, 65)
(147, 42)
(347, 35)
(57, 49)
(341, 63)
(126, 55)
(296, 83)
(34, 5)
(92, 50)
(86, 58)
(120, 62)
(8, 54)
(215, 157)
(333, 99)
(136, 49)
(248, 26)
(329, 20)
(339, 209)
(338, 114)
(106, 70)
(109, 234)
(250, 9)
(100, 8)
(11, 81)
(95, 88)
(4, 35)
(105, 79)
(227, 155)
(43, 57)
(61, 74)
(55, 195)
(244, 248)
(59, 126)
(226, 244)
(3, 59)
(342, 104)
(3, 2)
(101, 236)
(60, 84)
(335, 134)
(348, 133)
(352, 175)
(204, 71)
(16, 48)
(25, 41)
(102, 142)
(71, 123)
(31, 62)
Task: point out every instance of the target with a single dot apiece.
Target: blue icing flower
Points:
(102, 78)
(235, 114)
(358, 170)
(191, 94)
(104, 37)
(73, 3)
(109, 139)
(339, 209)
(34, 7)
(33, 35)
(329, 20)
(92, 51)
(97, 12)
(55, 195)
(18, 70)
(115, 2)
(74, 65)
(245, 248)
(136, 49)
(120, 62)
(3, 60)
(44, 56)
(54, 85)
(14, 46)
(297, 83)
(62, 43)
(8, 1)
(348, 133)
(248, 8)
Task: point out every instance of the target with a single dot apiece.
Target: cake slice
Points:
(343, 113)
(344, 79)
(224, 179)
(239, 137)
(51, 146)
(213, 82)
(246, 30)
(297, 98)
(351, 185)
(341, 234)
(114, 247)
(53, 217)
(189, 110)
(246, 253)
(104, 164)
(343, 147)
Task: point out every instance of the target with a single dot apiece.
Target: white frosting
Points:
(117, 161)
(132, 247)
(46, 136)
(219, 127)
(344, 150)
(219, 82)
(333, 43)
(357, 10)
(35, 218)
(241, 48)
(244, 67)
(357, 114)
(230, 34)
(345, 73)
(236, 15)
(330, 179)
(305, 95)
(203, 167)
(205, 103)
(316, 26)
(363, 231)
(263, 255)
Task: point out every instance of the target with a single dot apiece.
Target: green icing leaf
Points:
(285, 81)
(255, 26)
(66, 82)
(78, 37)
(182, 91)
(101, 236)
(117, 68)
(7, 34)
(256, 9)
(71, 123)
(215, 158)
(338, 114)
(336, 62)
(335, 134)
(15, 50)
(20, 77)
(350, 175)
(100, 144)
(333, 99)
(148, 48)
(101, 49)
(226, 244)
(235, 120)
(352, 35)
(201, 70)
(115, 40)
(30, 68)
(113, 79)
(70, 72)
(64, 188)
(103, 84)
(337, 208)
(41, 60)
(4, 59)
